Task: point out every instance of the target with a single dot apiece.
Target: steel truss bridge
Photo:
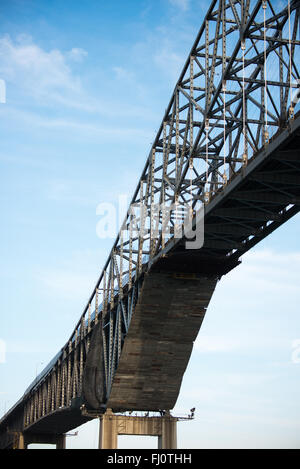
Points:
(226, 158)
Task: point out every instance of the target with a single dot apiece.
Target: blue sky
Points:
(87, 84)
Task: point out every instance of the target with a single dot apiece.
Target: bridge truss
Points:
(237, 90)
(236, 93)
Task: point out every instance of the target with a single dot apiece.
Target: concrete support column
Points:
(108, 434)
(61, 442)
(111, 425)
(23, 440)
(168, 437)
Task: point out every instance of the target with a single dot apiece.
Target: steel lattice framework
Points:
(237, 90)
(234, 94)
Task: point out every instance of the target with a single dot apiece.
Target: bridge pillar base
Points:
(168, 437)
(22, 440)
(112, 425)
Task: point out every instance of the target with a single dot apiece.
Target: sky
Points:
(87, 84)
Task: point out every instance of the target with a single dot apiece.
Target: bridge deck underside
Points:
(260, 198)
(59, 422)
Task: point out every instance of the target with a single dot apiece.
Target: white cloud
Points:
(2, 351)
(268, 270)
(232, 343)
(77, 54)
(214, 344)
(47, 78)
(74, 278)
(67, 284)
(43, 74)
(244, 313)
(36, 76)
(163, 51)
(182, 4)
(31, 346)
(123, 74)
(95, 130)
(169, 61)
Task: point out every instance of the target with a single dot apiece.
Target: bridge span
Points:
(222, 174)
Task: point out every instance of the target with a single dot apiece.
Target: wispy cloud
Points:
(67, 284)
(73, 278)
(215, 344)
(77, 54)
(123, 74)
(169, 60)
(263, 272)
(268, 270)
(233, 344)
(95, 129)
(47, 77)
(44, 74)
(181, 4)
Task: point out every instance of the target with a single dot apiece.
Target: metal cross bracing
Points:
(236, 93)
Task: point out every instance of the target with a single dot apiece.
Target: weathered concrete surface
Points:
(112, 425)
(22, 441)
(93, 381)
(159, 343)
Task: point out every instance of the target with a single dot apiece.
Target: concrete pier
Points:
(112, 425)
(22, 440)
